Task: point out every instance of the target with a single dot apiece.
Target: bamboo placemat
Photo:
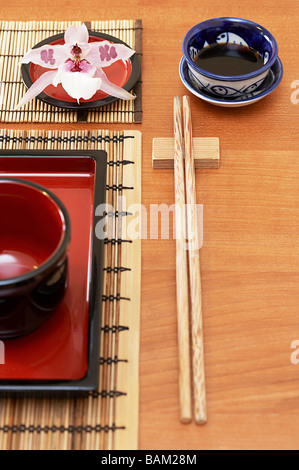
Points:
(16, 37)
(107, 419)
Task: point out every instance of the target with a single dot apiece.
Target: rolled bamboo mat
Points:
(16, 37)
(108, 418)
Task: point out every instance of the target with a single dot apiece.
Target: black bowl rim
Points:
(135, 74)
(47, 266)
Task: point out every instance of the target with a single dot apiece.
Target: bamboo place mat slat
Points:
(16, 37)
(107, 419)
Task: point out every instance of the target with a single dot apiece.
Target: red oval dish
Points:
(123, 73)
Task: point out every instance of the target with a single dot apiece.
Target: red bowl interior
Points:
(118, 73)
(32, 227)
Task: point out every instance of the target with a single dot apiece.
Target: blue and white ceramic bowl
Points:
(230, 30)
(270, 83)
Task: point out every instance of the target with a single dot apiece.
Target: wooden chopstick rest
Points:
(206, 152)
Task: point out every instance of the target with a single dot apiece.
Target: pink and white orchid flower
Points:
(77, 65)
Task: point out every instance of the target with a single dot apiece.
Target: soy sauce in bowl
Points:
(228, 59)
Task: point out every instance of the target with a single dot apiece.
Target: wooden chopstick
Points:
(200, 408)
(181, 269)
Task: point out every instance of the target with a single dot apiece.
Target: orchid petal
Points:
(78, 84)
(105, 53)
(76, 34)
(41, 83)
(111, 88)
(47, 56)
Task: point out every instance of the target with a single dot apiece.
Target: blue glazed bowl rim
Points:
(233, 78)
(212, 99)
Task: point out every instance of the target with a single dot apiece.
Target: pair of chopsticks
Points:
(199, 393)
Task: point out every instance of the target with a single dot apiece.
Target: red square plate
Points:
(63, 354)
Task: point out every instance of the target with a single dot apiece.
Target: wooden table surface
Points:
(250, 256)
